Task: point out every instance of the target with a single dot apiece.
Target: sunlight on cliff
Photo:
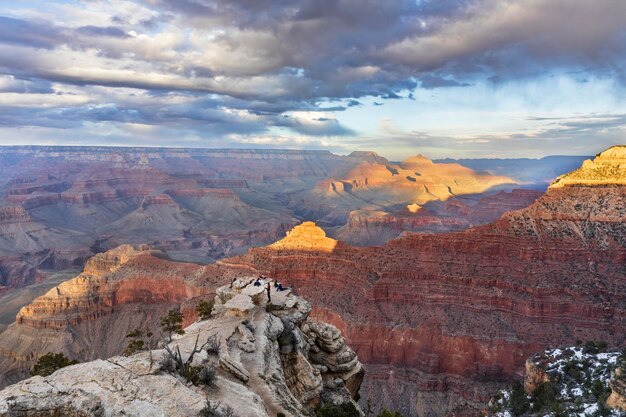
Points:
(306, 237)
(607, 168)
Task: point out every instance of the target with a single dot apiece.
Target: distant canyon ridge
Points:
(61, 205)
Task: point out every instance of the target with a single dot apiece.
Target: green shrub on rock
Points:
(51, 362)
(331, 410)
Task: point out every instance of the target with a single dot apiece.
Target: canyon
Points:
(61, 205)
(442, 319)
(438, 320)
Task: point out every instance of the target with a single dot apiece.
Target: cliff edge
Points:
(267, 358)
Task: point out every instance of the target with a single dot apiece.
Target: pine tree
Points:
(172, 323)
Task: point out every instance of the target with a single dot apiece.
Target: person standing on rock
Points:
(268, 288)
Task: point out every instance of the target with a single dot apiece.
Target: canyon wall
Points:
(438, 319)
(60, 205)
(444, 319)
(89, 316)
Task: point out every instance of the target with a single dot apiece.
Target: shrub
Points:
(216, 409)
(51, 362)
(172, 323)
(518, 400)
(139, 340)
(203, 374)
(593, 348)
(212, 345)
(172, 361)
(134, 346)
(545, 396)
(331, 410)
(599, 390)
(571, 370)
(204, 309)
(602, 410)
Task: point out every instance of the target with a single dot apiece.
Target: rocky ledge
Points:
(268, 359)
(608, 167)
(582, 381)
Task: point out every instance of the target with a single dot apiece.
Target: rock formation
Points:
(376, 227)
(573, 381)
(444, 319)
(438, 319)
(617, 399)
(607, 168)
(89, 316)
(378, 185)
(271, 360)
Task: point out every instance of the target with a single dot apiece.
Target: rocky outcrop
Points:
(271, 360)
(444, 319)
(380, 185)
(572, 381)
(607, 168)
(305, 236)
(617, 399)
(534, 375)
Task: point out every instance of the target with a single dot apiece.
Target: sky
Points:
(445, 78)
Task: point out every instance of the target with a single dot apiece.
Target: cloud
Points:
(11, 84)
(516, 37)
(313, 50)
(29, 33)
(548, 136)
(255, 67)
(110, 31)
(314, 124)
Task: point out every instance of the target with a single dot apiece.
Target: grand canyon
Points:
(312, 208)
(62, 205)
(471, 274)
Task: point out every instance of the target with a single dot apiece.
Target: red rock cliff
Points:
(88, 316)
(440, 319)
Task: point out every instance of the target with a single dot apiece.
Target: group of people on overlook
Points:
(260, 282)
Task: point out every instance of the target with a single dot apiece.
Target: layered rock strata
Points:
(442, 319)
(89, 316)
(617, 398)
(377, 227)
